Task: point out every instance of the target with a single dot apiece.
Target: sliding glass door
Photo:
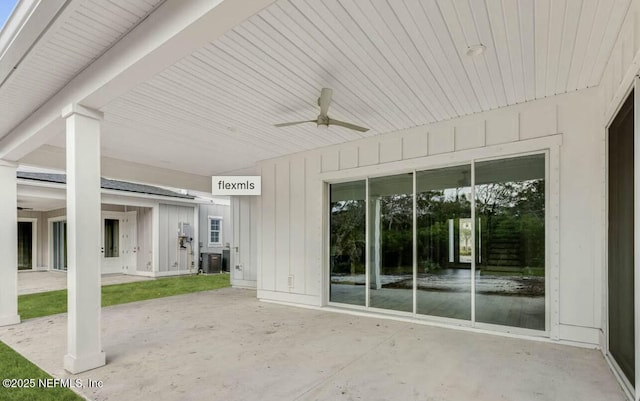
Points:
(443, 213)
(510, 265)
(59, 244)
(464, 242)
(391, 242)
(347, 243)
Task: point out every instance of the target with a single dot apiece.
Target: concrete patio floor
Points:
(30, 282)
(226, 345)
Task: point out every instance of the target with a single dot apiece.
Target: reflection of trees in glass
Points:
(348, 237)
(434, 210)
(396, 219)
(512, 216)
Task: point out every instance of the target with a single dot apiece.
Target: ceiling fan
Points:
(323, 119)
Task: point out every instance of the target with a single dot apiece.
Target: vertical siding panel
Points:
(538, 121)
(282, 226)
(441, 140)
(369, 153)
(415, 144)
(245, 237)
(502, 128)
(314, 228)
(163, 235)
(348, 158)
(298, 223)
(330, 160)
(268, 200)
(469, 135)
(391, 150)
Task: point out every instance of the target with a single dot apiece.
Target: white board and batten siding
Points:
(243, 252)
(172, 259)
(215, 210)
(290, 214)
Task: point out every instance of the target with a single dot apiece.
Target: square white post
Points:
(84, 346)
(8, 245)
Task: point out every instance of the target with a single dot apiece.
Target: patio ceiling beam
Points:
(53, 157)
(173, 31)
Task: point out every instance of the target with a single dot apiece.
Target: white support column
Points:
(84, 345)
(8, 245)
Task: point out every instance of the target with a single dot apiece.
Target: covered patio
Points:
(227, 345)
(467, 135)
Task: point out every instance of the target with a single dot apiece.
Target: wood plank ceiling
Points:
(392, 64)
(84, 31)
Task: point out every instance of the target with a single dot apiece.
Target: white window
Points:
(215, 230)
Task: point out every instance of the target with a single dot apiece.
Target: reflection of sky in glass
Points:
(451, 193)
(6, 6)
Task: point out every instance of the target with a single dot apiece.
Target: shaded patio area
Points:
(227, 345)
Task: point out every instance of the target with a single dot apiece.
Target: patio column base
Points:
(9, 320)
(86, 362)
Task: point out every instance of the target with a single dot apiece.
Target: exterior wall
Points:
(171, 258)
(220, 210)
(144, 230)
(290, 213)
(243, 267)
(144, 237)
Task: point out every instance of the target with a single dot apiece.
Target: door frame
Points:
(549, 145)
(109, 263)
(50, 222)
(34, 239)
(631, 389)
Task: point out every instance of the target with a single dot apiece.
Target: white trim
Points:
(636, 230)
(536, 145)
(34, 239)
(621, 97)
(472, 166)
(414, 245)
(50, 222)
(367, 241)
(547, 146)
(220, 241)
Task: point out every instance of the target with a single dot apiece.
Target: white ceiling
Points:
(82, 33)
(392, 64)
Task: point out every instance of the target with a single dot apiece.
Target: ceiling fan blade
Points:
(294, 123)
(325, 100)
(347, 125)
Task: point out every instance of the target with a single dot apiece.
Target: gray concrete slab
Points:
(30, 282)
(226, 345)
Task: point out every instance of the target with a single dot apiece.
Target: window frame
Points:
(549, 145)
(211, 243)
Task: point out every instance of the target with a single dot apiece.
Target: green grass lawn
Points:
(14, 366)
(53, 302)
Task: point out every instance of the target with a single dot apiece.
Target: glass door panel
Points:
(391, 242)
(510, 242)
(347, 220)
(443, 210)
(25, 245)
(59, 245)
